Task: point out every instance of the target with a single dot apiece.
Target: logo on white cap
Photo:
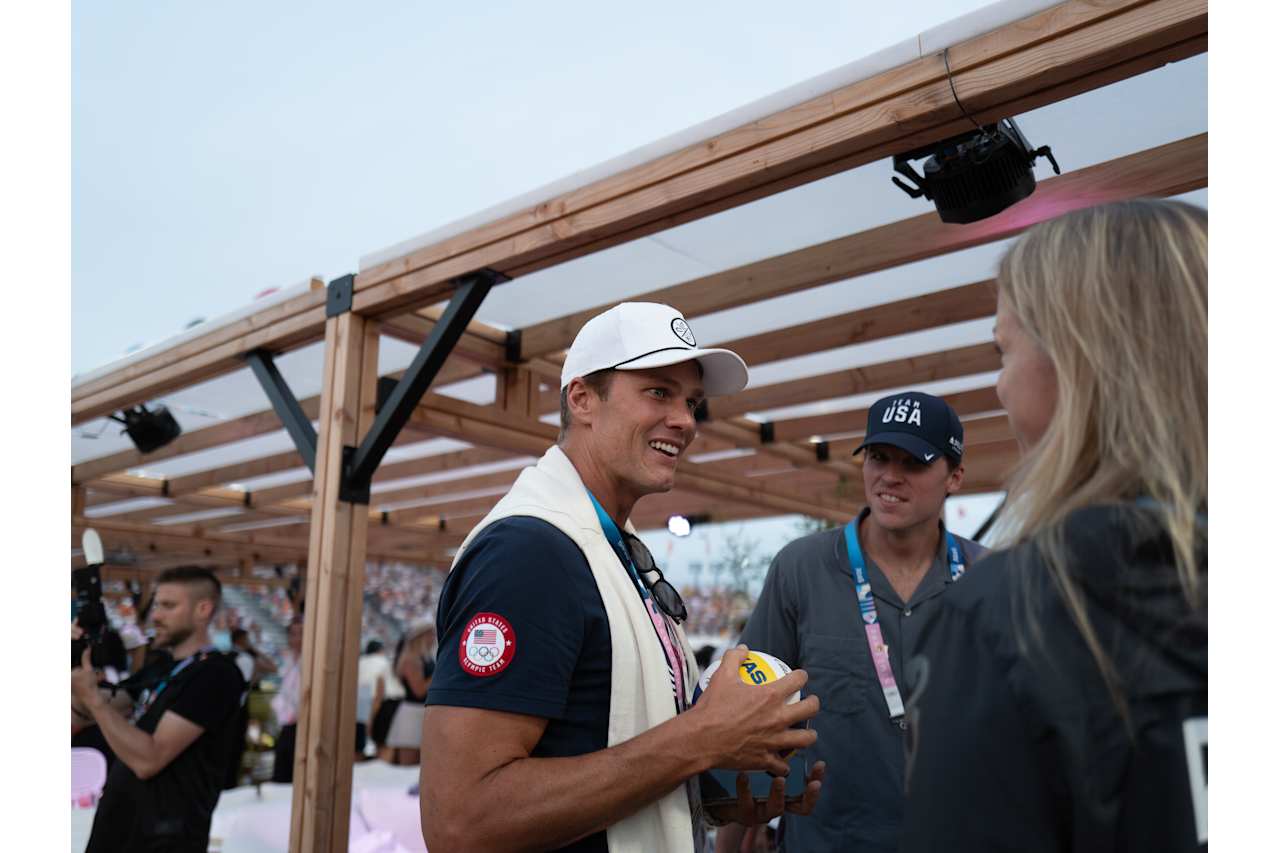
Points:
(683, 332)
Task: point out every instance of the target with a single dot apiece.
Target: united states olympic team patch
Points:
(488, 645)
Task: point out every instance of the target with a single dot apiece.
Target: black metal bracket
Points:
(702, 413)
(341, 292)
(350, 490)
(358, 464)
(822, 450)
(385, 386)
(286, 405)
(513, 346)
(766, 432)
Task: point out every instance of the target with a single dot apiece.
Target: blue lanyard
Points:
(614, 536)
(871, 619)
(866, 602)
(173, 673)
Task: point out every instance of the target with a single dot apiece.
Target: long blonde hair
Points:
(1117, 297)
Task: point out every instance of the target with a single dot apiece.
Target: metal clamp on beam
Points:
(286, 405)
(822, 450)
(358, 464)
(766, 432)
(341, 293)
(702, 413)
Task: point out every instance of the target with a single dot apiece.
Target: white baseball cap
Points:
(640, 335)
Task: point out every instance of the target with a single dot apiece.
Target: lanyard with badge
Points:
(871, 619)
(154, 693)
(667, 638)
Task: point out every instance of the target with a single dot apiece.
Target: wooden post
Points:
(334, 586)
(77, 501)
(517, 392)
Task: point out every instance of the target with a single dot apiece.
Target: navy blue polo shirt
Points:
(523, 629)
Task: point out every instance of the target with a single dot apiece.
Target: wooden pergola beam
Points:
(249, 426)
(189, 539)
(1166, 170)
(965, 403)
(1027, 63)
(929, 367)
(457, 418)
(1064, 50)
(321, 810)
(928, 311)
(226, 578)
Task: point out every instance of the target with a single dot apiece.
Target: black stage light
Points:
(976, 174)
(149, 430)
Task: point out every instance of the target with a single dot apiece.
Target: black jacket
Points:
(1018, 742)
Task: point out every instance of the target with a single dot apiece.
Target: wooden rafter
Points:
(1053, 54)
(1166, 170)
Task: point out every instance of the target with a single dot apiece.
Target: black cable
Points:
(951, 82)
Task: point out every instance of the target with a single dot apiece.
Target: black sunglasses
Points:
(664, 594)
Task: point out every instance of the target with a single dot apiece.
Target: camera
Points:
(91, 615)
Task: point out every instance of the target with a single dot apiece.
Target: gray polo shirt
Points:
(808, 616)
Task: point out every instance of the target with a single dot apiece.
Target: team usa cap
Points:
(641, 335)
(921, 424)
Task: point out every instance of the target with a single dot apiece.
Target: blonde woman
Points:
(1062, 700)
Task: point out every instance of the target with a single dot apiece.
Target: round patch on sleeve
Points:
(488, 645)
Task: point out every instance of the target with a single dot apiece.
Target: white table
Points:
(253, 819)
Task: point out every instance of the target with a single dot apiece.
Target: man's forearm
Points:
(551, 802)
(131, 744)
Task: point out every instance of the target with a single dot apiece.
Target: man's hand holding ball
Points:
(750, 706)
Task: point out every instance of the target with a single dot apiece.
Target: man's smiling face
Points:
(643, 426)
(902, 491)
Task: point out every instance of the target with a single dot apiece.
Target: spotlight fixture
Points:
(149, 430)
(976, 174)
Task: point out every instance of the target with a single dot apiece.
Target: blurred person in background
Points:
(413, 667)
(252, 665)
(285, 704)
(373, 671)
(172, 745)
(1081, 649)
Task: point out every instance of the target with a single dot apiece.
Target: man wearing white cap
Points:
(560, 717)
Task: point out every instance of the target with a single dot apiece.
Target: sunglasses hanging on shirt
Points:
(664, 594)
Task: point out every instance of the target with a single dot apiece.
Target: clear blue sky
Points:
(222, 149)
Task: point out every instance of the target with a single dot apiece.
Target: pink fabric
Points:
(675, 660)
(88, 775)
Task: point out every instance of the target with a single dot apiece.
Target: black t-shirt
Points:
(173, 809)
(1020, 744)
(523, 629)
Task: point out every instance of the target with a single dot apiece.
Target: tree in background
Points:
(741, 560)
(808, 524)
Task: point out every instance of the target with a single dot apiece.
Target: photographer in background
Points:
(172, 744)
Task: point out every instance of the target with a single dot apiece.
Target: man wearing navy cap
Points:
(849, 605)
